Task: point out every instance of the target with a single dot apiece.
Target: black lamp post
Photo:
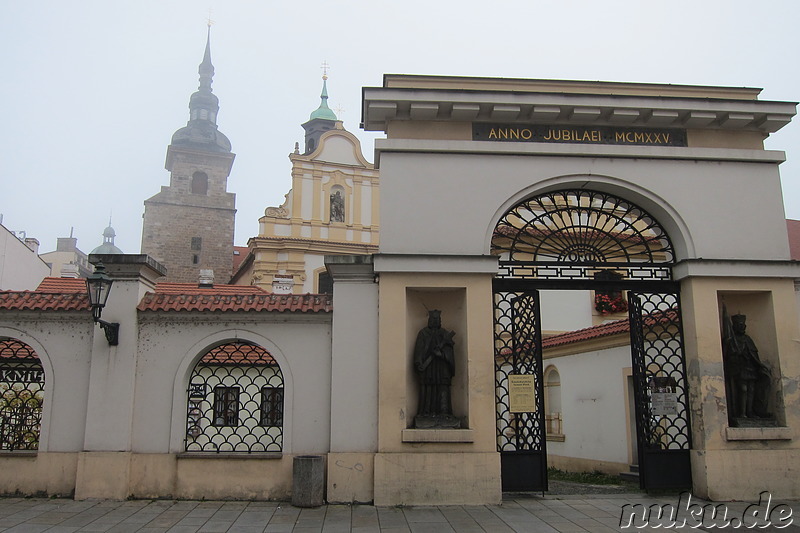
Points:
(98, 285)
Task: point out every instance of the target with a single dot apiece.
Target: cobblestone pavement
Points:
(517, 513)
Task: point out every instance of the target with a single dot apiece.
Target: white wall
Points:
(565, 310)
(170, 346)
(21, 268)
(593, 405)
(692, 199)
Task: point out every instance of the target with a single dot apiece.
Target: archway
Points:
(586, 240)
(235, 401)
(22, 383)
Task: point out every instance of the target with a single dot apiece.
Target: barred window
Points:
(271, 406)
(226, 406)
(235, 401)
(21, 396)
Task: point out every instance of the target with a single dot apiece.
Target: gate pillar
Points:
(416, 466)
(737, 463)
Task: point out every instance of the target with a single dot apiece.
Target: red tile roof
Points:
(69, 294)
(793, 227)
(606, 329)
(305, 303)
(62, 285)
(239, 254)
(42, 301)
(236, 353)
(193, 288)
(14, 349)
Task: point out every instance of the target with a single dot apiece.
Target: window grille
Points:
(21, 396)
(235, 401)
(226, 406)
(271, 406)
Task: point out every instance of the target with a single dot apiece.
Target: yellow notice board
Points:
(521, 393)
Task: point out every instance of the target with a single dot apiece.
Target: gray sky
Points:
(92, 90)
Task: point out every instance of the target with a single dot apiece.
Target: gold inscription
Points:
(510, 133)
(573, 135)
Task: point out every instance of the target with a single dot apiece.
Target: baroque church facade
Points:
(332, 208)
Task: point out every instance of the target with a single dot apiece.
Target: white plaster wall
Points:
(354, 395)
(593, 405)
(21, 269)
(565, 310)
(727, 209)
(171, 344)
(63, 342)
(312, 262)
(338, 149)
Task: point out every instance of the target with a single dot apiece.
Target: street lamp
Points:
(98, 285)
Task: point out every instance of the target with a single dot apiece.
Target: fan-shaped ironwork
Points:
(571, 234)
(235, 401)
(21, 396)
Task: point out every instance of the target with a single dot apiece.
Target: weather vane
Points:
(209, 21)
(325, 66)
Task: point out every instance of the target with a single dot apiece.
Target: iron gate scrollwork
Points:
(660, 390)
(578, 239)
(520, 431)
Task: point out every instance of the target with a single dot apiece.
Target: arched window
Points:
(552, 404)
(199, 183)
(235, 401)
(21, 396)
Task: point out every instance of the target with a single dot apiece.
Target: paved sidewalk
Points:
(517, 513)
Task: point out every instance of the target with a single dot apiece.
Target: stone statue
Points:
(747, 379)
(434, 362)
(337, 207)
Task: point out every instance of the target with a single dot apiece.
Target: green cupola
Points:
(320, 121)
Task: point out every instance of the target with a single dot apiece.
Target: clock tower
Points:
(189, 225)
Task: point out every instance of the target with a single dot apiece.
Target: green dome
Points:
(323, 111)
(108, 246)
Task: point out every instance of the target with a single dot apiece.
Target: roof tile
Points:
(62, 285)
(304, 303)
(42, 301)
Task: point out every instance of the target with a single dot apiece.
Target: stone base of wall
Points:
(122, 475)
(437, 478)
(723, 475)
(579, 464)
(50, 473)
(351, 477)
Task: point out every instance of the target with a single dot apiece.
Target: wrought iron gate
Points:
(580, 239)
(519, 392)
(660, 390)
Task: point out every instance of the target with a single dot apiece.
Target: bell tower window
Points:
(200, 183)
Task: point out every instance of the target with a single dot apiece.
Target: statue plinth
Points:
(437, 422)
(754, 422)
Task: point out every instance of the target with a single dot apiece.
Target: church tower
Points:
(189, 225)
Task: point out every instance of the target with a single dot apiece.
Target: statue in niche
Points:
(337, 207)
(434, 363)
(747, 379)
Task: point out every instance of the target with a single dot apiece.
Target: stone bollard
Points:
(308, 481)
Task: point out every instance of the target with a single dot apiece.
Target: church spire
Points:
(322, 119)
(323, 111)
(201, 130)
